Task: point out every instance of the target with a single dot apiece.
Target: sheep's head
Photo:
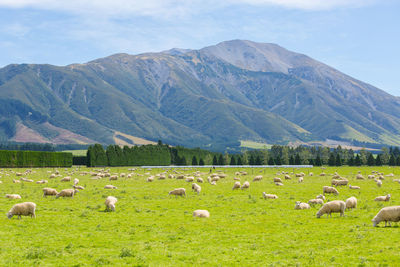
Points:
(375, 221)
(9, 215)
(318, 214)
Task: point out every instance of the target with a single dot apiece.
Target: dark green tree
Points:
(258, 161)
(194, 161)
(239, 161)
(215, 161)
(357, 160)
(370, 160)
(378, 161)
(338, 161)
(271, 161)
(392, 160)
(278, 160)
(221, 160)
(201, 162)
(291, 160)
(251, 160)
(331, 160)
(318, 161)
(398, 161)
(233, 161)
(297, 159)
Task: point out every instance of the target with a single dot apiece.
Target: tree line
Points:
(11, 159)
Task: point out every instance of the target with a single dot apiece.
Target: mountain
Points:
(211, 98)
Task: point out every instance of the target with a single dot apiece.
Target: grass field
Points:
(150, 228)
(77, 152)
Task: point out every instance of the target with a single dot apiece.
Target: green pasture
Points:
(151, 228)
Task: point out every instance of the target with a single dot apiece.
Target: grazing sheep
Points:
(122, 175)
(269, 196)
(331, 207)
(236, 178)
(110, 203)
(178, 192)
(42, 182)
(301, 206)
(150, 179)
(110, 187)
(379, 183)
(189, 179)
(277, 180)
(76, 181)
(213, 183)
(162, 177)
(258, 178)
(316, 201)
(320, 196)
(279, 184)
(336, 182)
(49, 192)
(353, 186)
(245, 185)
(223, 175)
(387, 214)
(301, 179)
(180, 177)
(79, 187)
(360, 177)
(371, 176)
(201, 213)
(200, 180)
(22, 209)
(322, 174)
(67, 193)
(66, 179)
(196, 188)
(18, 174)
(113, 178)
(236, 185)
(13, 196)
(214, 178)
(329, 190)
(311, 174)
(52, 176)
(16, 181)
(26, 180)
(383, 198)
(351, 203)
(287, 177)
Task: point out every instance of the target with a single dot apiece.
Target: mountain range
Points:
(214, 97)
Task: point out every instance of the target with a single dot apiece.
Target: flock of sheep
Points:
(387, 214)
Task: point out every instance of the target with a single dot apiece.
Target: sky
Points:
(358, 37)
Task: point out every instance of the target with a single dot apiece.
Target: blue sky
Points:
(358, 37)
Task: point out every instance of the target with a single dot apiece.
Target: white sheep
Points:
(189, 179)
(201, 213)
(245, 185)
(76, 181)
(257, 178)
(383, 198)
(287, 177)
(110, 187)
(329, 190)
(301, 206)
(236, 178)
(353, 186)
(49, 192)
(66, 179)
(150, 179)
(22, 209)
(321, 196)
(379, 183)
(269, 196)
(200, 180)
(340, 182)
(278, 184)
(67, 193)
(236, 185)
(42, 182)
(277, 180)
(16, 181)
(351, 203)
(79, 187)
(301, 179)
(332, 207)
(13, 196)
(196, 188)
(178, 192)
(387, 214)
(360, 177)
(110, 203)
(316, 201)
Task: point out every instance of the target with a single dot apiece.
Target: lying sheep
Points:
(236, 185)
(110, 203)
(196, 188)
(379, 183)
(245, 185)
(387, 214)
(329, 190)
(76, 181)
(301, 206)
(320, 196)
(353, 186)
(67, 193)
(49, 192)
(201, 213)
(258, 178)
(110, 187)
(383, 198)
(189, 179)
(316, 201)
(336, 182)
(13, 196)
(351, 203)
(311, 174)
(360, 177)
(200, 180)
(269, 196)
(214, 178)
(178, 192)
(78, 187)
(279, 184)
(301, 179)
(287, 177)
(26, 180)
(236, 178)
(337, 206)
(277, 180)
(150, 179)
(22, 209)
(16, 181)
(42, 182)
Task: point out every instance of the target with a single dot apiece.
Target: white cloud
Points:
(169, 8)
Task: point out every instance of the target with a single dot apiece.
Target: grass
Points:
(77, 152)
(254, 145)
(150, 228)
